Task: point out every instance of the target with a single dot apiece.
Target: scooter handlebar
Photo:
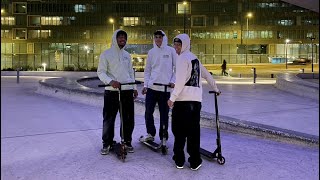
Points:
(214, 92)
(130, 83)
(159, 84)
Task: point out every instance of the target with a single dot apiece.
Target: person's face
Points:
(177, 46)
(158, 40)
(121, 40)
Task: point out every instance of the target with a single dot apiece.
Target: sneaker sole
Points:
(195, 169)
(179, 167)
(103, 153)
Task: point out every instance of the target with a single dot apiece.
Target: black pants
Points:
(186, 127)
(224, 72)
(161, 98)
(110, 110)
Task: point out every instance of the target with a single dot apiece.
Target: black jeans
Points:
(186, 127)
(161, 98)
(110, 110)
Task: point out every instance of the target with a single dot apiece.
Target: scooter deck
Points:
(215, 155)
(206, 153)
(154, 146)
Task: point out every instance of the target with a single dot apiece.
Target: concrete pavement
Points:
(48, 138)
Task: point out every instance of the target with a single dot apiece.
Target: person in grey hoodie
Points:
(185, 101)
(160, 67)
(115, 67)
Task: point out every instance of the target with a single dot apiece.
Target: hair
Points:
(177, 40)
(121, 32)
(158, 32)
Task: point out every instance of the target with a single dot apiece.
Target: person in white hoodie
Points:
(115, 67)
(185, 101)
(160, 68)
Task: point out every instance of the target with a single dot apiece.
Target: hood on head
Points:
(164, 41)
(114, 38)
(185, 42)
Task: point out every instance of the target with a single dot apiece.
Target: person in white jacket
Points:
(160, 68)
(115, 67)
(185, 100)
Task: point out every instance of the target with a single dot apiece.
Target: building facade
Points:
(71, 34)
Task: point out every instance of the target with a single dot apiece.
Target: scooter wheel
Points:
(164, 150)
(123, 157)
(221, 160)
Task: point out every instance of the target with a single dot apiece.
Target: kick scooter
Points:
(155, 146)
(119, 148)
(217, 153)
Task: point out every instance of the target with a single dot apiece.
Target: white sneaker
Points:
(196, 168)
(146, 138)
(179, 167)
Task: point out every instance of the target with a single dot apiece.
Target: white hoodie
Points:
(188, 85)
(160, 65)
(115, 64)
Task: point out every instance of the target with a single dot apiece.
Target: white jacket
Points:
(188, 85)
(115, 64)
(160, 66)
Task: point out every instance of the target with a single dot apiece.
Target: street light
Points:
(87, 52)
(111, 20)
(68, 46)
(286, 50)
(249, 15)
(312, 39)
(44, 66)
(184, 16)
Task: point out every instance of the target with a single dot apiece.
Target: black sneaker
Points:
(105, 150)
(129, 147)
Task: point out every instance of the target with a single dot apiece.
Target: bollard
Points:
(18, 71)
(254, 75)
(239, 75)
(272, 76)
(134, 72)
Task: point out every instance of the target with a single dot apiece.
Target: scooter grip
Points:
(211, 92)
(159, 84)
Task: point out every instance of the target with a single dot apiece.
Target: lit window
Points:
(51, 21)
(5, 34)
(131, 21)
(45, 34)
(79, 8)
(285, 22)
(8, 20)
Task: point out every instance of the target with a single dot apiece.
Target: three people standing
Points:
(165, 65)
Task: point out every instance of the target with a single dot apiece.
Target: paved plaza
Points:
(44, 137)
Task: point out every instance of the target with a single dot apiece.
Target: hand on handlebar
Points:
(144, 91)
(170, 103)
(115, 84)
(135, 94)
